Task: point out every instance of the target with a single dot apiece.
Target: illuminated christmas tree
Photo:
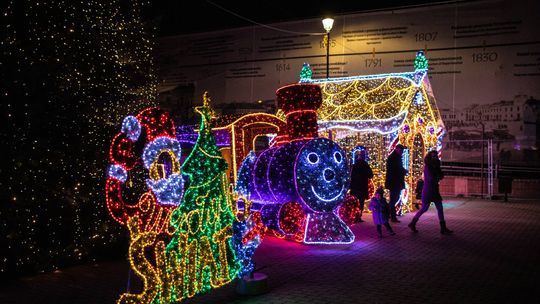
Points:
(204, 219)
(306, 72)
(420, 62)
(70, 72)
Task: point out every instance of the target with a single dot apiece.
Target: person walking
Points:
(395, 178)
(380, 212)
(430, 192)
(360, 175)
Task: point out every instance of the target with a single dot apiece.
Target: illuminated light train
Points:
(301, 180)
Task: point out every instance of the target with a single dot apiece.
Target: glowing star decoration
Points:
(380, 111)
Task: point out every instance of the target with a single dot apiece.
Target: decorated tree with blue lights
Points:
(203, 221)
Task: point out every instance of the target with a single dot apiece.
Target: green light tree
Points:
(306, 72)
(203, 221)
(420, 62)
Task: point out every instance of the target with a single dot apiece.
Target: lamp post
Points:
(327, 24)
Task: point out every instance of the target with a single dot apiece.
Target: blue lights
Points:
(327, 228)
(118, 172)
(405, 158)
(358, 149)
(244, 183)
(157, 146)
(418, 99)
(168, 191)
(322, 185)
(131, 127)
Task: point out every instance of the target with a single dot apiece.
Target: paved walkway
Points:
(491, 258)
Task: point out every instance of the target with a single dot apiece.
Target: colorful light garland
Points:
(166, 188)
(208, 247)
(243, 132)
(380, 111)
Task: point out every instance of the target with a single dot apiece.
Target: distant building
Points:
(517, 118)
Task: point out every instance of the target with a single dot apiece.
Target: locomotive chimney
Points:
(300, 102)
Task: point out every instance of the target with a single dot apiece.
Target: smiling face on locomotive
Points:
(322, 174)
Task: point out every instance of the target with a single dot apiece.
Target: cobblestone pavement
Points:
(492, 257)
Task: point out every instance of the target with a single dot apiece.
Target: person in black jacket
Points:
(430, 192)
(360, 175)
(395, 178)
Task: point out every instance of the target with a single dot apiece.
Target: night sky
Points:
(181, 17)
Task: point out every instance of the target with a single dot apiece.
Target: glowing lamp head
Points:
(327, 24)
(322, 175)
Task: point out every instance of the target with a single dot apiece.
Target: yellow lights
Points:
(244, 132)
(365, 99)
(377, 111)
(180, 272)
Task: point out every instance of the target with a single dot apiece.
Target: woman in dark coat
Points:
(395, 178)
(430, 192)
(360, 175)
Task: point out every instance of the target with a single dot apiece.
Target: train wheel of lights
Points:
(291, 218)
(349, 210)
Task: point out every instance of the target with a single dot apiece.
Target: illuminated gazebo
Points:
(379, 111)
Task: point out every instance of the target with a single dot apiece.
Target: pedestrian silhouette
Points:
(430, 192)
(395, 178)
(360, 175)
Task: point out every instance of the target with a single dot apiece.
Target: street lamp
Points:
(327, 24)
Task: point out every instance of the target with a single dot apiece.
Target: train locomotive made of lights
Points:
(299, 183)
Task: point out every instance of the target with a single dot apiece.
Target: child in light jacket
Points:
(380, 211)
